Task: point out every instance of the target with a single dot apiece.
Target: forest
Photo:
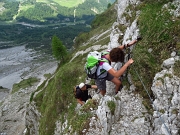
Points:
(42, 11)
(8, 10)
(39, 37)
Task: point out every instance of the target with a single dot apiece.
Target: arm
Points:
(80, 102)
(127, 45)
(93, 86)
(119, 72)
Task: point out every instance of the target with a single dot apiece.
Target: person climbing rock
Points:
(81, 92)
(110, 74)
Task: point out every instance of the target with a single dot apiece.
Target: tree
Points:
(58, 49)
(109, 5)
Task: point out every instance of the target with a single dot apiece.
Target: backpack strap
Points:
(75, 89)
(103, 59)
(104, 53)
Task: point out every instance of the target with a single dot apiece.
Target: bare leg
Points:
(117, 82)
(103, 92)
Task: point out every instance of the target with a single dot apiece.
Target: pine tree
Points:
(58, 49)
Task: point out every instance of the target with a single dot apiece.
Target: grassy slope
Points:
(57, 98)
(24, 8)
(65, 3)
(160, 33)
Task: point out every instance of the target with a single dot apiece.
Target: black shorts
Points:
(101, 82)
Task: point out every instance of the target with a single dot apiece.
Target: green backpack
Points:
(92, 63)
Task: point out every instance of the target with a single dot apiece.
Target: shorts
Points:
(101, 82)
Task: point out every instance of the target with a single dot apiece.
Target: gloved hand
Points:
(139, 38)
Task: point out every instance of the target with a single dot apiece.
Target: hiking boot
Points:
(120, 88)
(97, 91)
(139, 38)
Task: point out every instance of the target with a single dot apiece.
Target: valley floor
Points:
(18, 63)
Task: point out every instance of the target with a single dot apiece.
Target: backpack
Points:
(74, 90)
(92, 63)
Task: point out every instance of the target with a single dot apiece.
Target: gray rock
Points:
(169, 63)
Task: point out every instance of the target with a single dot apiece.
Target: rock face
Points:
(32, 119)
(130, 116)
(166, 89)
(13, 112)
(16, 114)
(3, 92)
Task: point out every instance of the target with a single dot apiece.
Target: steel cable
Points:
(162, 120)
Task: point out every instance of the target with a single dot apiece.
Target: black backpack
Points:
(75, 90)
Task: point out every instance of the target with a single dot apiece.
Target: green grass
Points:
(47, 75)
(160, 33)
(56, 98)
(106, 18)
(24, 8)
(104, 41)
(112, 106)
(1, 4)
(80, 121)
(65, 3)
(69, 3)
(100, 24)
(176, 68)
(175, 111)
(24, 84)
(44, 1)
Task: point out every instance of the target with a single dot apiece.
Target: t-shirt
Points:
(82, 94)
(103, 66)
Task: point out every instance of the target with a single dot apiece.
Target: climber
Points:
(115, 55)
(81, 92)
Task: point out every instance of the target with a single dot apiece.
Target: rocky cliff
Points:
(130, 115)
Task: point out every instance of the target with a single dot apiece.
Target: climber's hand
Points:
(130, 61)
(139, 38)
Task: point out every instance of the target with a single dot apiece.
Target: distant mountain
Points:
(42, 11)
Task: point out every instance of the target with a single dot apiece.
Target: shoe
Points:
(121, 78)
(97, 91)
(139, 38)
(120, 88)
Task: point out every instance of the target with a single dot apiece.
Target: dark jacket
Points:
(82, 94)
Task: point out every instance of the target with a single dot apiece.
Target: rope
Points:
(162, 120)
